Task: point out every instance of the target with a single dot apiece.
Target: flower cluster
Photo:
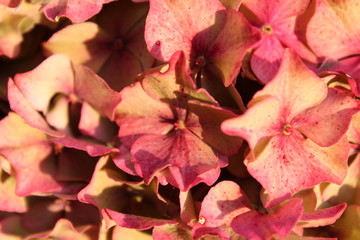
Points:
(173, 119)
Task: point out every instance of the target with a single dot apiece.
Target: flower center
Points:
(180, 125)
(200, 61)
(267, 29)
(118, 44)
(287, 130)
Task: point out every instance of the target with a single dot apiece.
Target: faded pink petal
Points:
(53, 75)
(136, 222)
(24, 142)
(9, 201)
(294, 84)
(189, 160)
(10, 3)
(75, 10)
(180, 22)
(257, 226)
(323, 217)
(331, 31)
(123, 160)
(154, 113)
(88, 84)
(256, 124)
(224, 202)
(327, 122)
(92, 124)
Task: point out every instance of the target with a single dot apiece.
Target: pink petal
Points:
(256, 226)
(341, 37)
(231, 4)
(53, 75)
(9, 201)
(224, 202)
(288, 163)
(123, 160)
(178, 150)
(136, 118)
(257, 123)
(94, 125)
(24, 142)
(136, 222)
(10, 3)
(266, 60)
(327, 122)
(294, 84)
(93, 149)
(187, 208)
(171, 26)
(274, 10)
(22, 107)
(75, 10)
(323, 217)
(88, 84)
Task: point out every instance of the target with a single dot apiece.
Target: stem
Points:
(237, 98)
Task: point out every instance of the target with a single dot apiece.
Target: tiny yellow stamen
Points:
(267, 29)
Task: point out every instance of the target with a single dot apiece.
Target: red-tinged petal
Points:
(266, 60)
(94, 125)
(53, 75)
(327, 122)
(257, 226)
(65, 230)
(189, 159)
(75, 165)
(84, 43)
(10, 3)
(347, 227)
(204, 120)
(275, 10)
(106, 188)
(258, 122)
(75, 10)
(331, 31)
(136, 222)
(123, 160)
(138, 114)
(9, 201)
(224, 202)
(294, 84)
(21, 106)
(227, 51)
(93, 149)
(172, 26)
(24, 142)
(323, 217)
(88, 84)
